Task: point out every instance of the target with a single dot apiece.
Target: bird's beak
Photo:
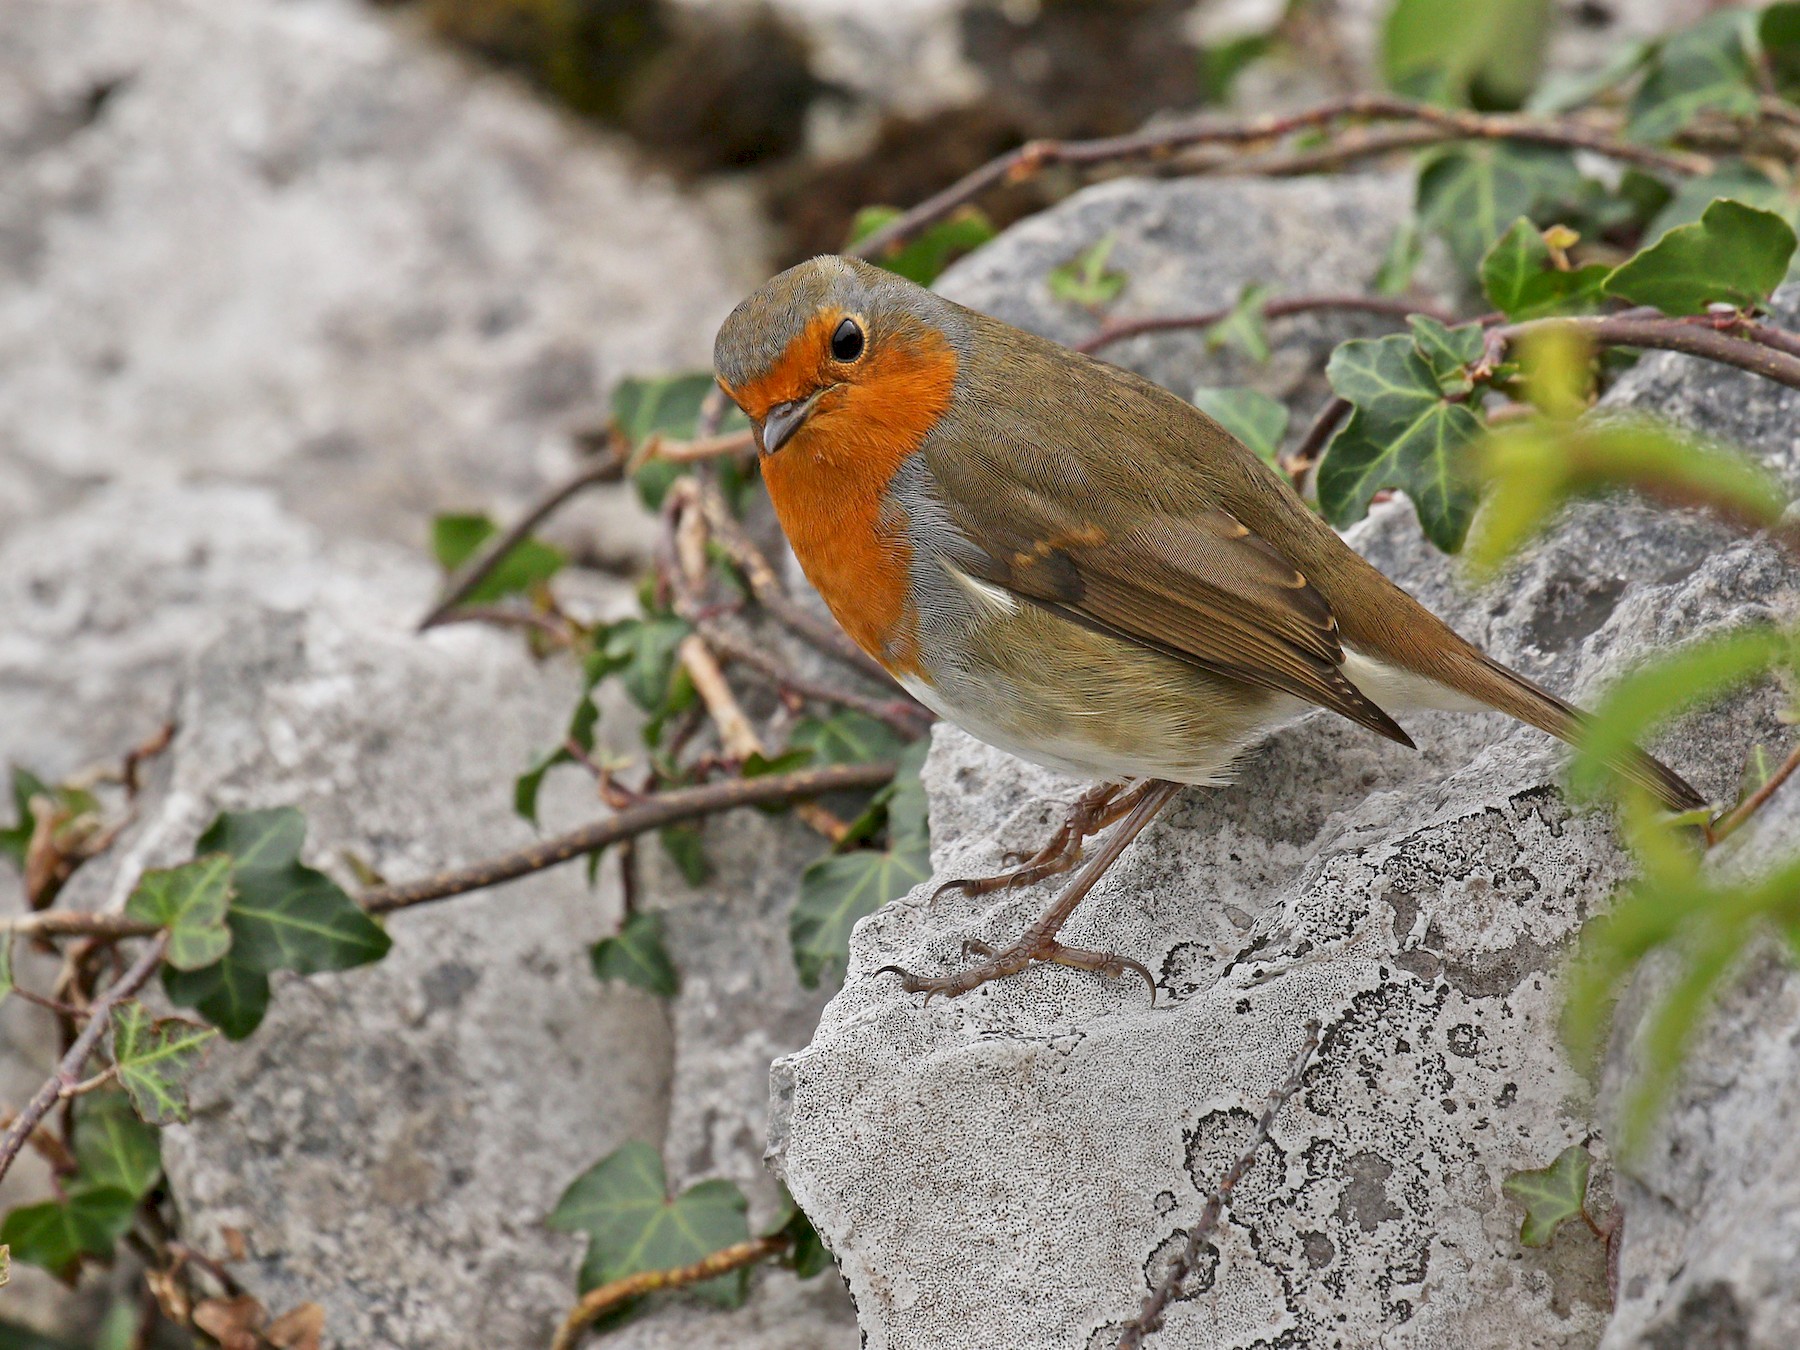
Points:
(783, 419)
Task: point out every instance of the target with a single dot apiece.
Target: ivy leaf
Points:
(1734, 254)
(1492, 53)
(117, 1160)
(623, 1205)
(6, 964)
(667, 406)
(1778, 38)
(1448, 351)
(155, 1058)
(58, 1233)
(284, 916)
(1550, 1195)
(1521, 280)
(644, 653)
(1084, 279)
(637, 956)
(761, 766)
(846, 737)
(1703, 68)
(838, 890)
(1244, 327)
(190, 901)
(929, 252)
(114, 1148)
(596, 666)
(1733, 179)
(1253, 417)
(16, 838)
(807, 1255)
(1402, 433)
(1469, 194)
(686, 847)
(528, 563)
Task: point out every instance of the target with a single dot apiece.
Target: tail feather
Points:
(1536, 706)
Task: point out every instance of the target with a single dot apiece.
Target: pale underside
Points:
(1095, 706)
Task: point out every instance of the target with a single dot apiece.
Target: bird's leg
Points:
(1092, 812)
(1039, 941)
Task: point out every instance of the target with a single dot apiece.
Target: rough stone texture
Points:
(1190, 247)
(280, 242)
(1013, 1167)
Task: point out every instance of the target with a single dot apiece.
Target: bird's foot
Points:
(1092, 812)
(998, 964)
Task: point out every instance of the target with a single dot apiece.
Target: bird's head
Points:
(840, 358)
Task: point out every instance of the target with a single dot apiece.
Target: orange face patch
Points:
(829, 482)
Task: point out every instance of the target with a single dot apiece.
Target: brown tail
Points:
(1536, 706)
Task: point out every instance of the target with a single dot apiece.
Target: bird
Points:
(1074, 565)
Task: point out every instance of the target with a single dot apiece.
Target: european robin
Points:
(1073, 564)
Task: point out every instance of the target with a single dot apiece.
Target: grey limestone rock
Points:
(1014, 1167)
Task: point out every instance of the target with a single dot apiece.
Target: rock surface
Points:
(1014, 1167)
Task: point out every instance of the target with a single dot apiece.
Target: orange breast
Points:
(829, 486)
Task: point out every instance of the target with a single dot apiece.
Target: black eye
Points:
(847, 341)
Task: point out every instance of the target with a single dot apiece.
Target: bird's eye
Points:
(847, 341)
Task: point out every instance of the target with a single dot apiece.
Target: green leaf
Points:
(1401, 434)
(637, 956)
(1449, 352)
(58, 1233)
(1551, 1195)
(1778, 37)
(1401, 259)
(155, 1058)
(1522, 281)
(644, 650)
(1084, 279)
(6, 964)
(596, 666)
(528, 563)
(1222, 61)
(114, 1148)
(668, 406)
(905, 797)
(16, 838)
(836, 891)
(1703, 68)
(1734, 179)
(686, 847)
(1564, 91)
(1734, 254)
(1254, 418)
(846, 737)
(1490, 53)
(762, 766)
(807, 1256)
(1667, 686)
(929, 252)
(623, 1205)
(1244, 327)
(16, 1336)
(190, 901)
(285, 916)
(1470, 194)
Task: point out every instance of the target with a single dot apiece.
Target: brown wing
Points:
(1201, 587)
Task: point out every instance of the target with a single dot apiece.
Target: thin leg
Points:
(1039, 941)
(1092, 812)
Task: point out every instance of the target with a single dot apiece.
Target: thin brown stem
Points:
(597, 1302)
(1274, 309)
(609, 468)
(1307, 453)
(1729, 823)
(701, 449)
(1162, 142)
(553, 626)
(903, 715)
(110, 926)
(664, 808)
(68, 1071)
(1150, 1318)
(1760, 357)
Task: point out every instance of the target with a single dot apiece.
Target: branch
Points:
(1307, 453)
(1729, 823)
(110, 926)
(665, 808)
(597, 1302)
(908, 718)
(607, 469)
(1763, 356)
(1150, 1318)
(68, 1072)
(1274, 309)
(1162, 142)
